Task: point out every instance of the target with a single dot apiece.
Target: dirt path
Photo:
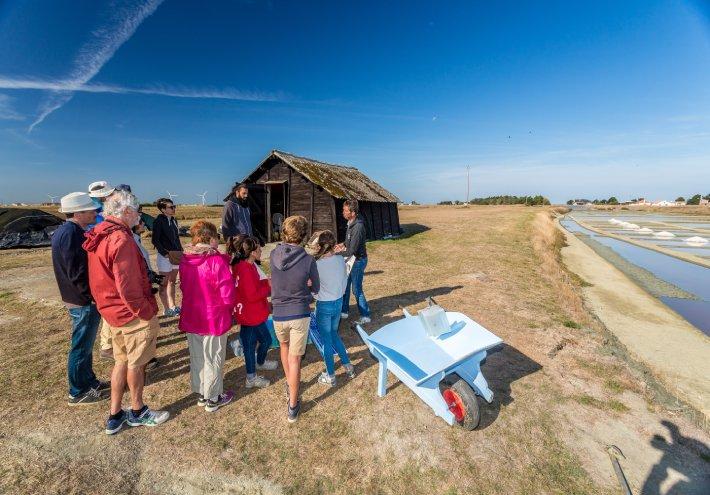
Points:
(562, 391)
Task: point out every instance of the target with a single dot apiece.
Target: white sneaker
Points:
(237, 348)
(363, 320)
(326, 379)
(343, 316)
(258, 382)
(268, 365)
(349, 370)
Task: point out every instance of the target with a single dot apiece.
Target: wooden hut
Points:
(284, 184)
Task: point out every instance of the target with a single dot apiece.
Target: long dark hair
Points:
(241, 246)
(322, 243)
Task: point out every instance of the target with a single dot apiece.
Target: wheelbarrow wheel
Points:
(462, 402)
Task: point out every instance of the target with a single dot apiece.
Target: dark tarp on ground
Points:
(26, 227)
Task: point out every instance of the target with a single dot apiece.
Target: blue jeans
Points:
(328, 318)
(355, 279)
(85, 321)
(253, 354)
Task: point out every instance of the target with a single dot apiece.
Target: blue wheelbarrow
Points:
(444, 371)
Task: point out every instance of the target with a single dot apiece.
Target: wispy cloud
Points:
(69, 86)
(97, 51)
(7, 112)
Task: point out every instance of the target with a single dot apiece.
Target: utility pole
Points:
(468, 184)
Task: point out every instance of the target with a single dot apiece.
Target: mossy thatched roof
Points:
(339, 180)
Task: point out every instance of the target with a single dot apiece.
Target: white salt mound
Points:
(698, 241)
(645, 230)
(664, 235)
(631, 226)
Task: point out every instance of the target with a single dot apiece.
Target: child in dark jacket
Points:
(252, 310)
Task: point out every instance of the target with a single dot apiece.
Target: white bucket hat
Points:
(77, 201)
(100, 189)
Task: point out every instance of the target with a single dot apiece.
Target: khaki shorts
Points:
(294, 333)
(134, 343)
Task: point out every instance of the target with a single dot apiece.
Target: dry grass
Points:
(547, 241)
(496, 264)
(184, 212)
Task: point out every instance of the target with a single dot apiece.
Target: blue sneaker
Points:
(294, 411)
(147, 417)
(176, 310)
(113, 426)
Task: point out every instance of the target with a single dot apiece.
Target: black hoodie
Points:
(291, 268)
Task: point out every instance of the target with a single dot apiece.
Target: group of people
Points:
(105, 278)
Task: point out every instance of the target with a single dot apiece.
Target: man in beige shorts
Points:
(294, 280)
(119, 283)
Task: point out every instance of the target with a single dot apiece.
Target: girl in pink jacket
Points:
(207, 304)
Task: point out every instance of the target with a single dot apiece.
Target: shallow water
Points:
(690, 277)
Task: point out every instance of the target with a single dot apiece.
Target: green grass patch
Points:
(617, 406)
(571, 324)
(588, 400)
(612, 405)
(614, 385)
(5, 296)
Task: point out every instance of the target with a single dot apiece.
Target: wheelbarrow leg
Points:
(382, 379)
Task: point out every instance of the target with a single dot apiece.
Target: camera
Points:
(155, 279)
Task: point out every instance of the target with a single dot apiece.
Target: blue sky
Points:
(566, 99)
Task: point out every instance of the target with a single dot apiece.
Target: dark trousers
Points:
(85, 321)
(254, 354)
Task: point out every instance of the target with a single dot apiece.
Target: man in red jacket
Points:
(119, 283)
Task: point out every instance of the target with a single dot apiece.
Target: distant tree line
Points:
(503, 200)
(610, 201)
(694, 200)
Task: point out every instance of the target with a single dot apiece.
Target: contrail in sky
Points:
(96, 52)
(68, 86)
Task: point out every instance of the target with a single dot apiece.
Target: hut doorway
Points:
(276, 207)
(257, 205)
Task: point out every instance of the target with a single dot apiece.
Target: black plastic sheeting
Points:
(25, 227)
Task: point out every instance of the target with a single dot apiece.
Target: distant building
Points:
(704, 202)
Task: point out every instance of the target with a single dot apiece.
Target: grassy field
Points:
(562, 390)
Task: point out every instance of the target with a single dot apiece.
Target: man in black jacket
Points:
(71, 270)
(166, 238)
(236, 216)
(354, 245)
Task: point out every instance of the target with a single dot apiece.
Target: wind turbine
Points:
(51, 198)
(171, 195)
(203, 197)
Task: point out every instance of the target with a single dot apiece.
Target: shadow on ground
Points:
(501, 368)
(412, 229)
(672, 470)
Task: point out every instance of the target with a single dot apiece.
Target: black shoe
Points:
(293, 412)
(152, 364)
(103, 385)
(93, 396)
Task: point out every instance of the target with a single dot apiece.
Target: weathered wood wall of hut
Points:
(394, 214)
(323, 210)
(304, 197)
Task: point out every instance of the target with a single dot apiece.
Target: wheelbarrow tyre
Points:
(462, 402)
